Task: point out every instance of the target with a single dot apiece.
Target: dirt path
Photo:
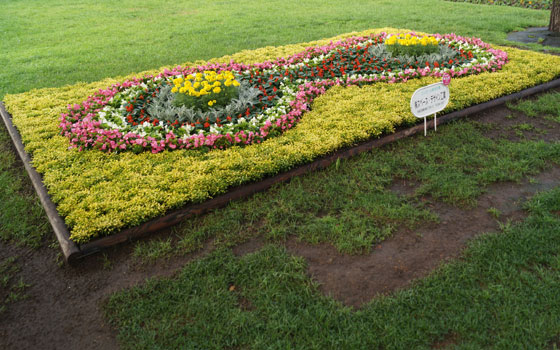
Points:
(409, 255)
(62, 310)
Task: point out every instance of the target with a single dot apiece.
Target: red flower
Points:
(129, 108)
(206, 125)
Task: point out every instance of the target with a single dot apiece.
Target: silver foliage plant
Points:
(162, 106)
(446, 53)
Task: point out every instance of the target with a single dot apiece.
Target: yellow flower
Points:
(391, 40)
(200, 84)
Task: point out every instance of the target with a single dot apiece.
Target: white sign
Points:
(429, 100)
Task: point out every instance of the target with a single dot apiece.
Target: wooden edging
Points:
(72, 251)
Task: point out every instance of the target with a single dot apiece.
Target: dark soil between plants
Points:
(62, 310)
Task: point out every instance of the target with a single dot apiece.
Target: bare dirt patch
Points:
(62, 309)
(412, 254)
(447, 342)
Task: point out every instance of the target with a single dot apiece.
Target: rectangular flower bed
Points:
(100, 190)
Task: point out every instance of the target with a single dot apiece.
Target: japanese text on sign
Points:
(429, 100)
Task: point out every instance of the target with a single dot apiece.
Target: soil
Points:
(63, 305)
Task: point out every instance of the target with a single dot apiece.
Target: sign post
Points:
(430, 100)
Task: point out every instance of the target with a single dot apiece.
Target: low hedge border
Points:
(99, 194)
(529, 4)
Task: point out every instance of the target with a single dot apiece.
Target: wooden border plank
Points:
(72, 252)
(70, 249)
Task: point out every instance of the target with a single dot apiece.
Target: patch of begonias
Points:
(118, 118)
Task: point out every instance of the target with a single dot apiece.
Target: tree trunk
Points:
(554, 25)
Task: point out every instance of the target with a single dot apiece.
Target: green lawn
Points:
(502, 295)
(55, 42)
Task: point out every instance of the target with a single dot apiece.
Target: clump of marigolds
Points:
(411, 45)
(205, 90)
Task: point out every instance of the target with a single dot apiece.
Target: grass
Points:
(501, 295)
(54, 43)
(352, 204)
(22, 218)
(548, 105)
(494, 212)
(10, 290)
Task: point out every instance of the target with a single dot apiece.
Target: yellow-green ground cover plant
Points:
(99, 192)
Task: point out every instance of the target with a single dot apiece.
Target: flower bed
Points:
(530, 4)
(100, 192)
(143, 113)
